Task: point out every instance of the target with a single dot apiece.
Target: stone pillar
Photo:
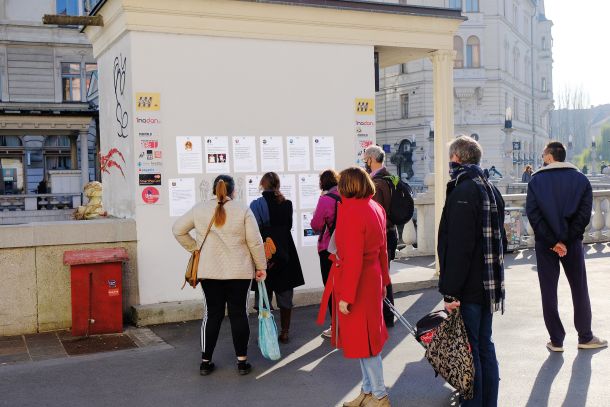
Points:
(84, 156)
(442, 83)
(73, 153)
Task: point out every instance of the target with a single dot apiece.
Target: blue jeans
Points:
(372, 376)
(478, 319)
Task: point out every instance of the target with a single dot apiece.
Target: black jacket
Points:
(559, 203)
(460, 241)
(291, 275)
(383, 195)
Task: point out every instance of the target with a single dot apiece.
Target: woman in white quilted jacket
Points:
(231, 256)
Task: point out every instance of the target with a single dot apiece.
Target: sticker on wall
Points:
(150, 195)
(149, 179)
(364, 106)
(148, 101)
(308, 236)
(189, 151)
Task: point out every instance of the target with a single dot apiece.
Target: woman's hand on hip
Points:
(261, 275)
(344, 307)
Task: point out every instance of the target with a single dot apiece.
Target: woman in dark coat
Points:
(273, 213)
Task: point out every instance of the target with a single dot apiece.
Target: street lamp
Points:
(508, 145)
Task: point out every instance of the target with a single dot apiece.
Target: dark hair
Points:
(224, 185)
(354, 182)
(328, 179)
(557, 150)
(271, 182)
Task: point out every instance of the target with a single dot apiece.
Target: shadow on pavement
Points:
(580, 378)
(544, 380)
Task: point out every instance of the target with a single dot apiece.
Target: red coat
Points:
(358, 278)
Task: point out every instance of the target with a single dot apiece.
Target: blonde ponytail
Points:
(220, 215)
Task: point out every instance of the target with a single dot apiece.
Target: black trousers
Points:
(548, 274)
(392, 236)
(218, 294)
(325, 265)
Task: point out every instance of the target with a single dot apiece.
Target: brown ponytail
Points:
(220, 215)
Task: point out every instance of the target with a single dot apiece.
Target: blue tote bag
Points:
(267, 330)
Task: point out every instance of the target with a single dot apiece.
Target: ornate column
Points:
(442, 83)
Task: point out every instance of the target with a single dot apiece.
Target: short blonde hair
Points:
(354, 182)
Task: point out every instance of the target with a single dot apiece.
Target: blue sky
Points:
(581, 57)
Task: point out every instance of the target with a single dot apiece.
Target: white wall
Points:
(214, 86)
(28, 10)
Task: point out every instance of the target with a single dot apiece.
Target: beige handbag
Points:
(190, 276)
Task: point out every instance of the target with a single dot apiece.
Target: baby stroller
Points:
(424, 329)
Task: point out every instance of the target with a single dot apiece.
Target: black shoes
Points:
(206, 368)
(243, 367)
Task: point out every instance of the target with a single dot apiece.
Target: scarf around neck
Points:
(493, 250)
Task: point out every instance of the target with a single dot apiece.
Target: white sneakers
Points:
(594, 343)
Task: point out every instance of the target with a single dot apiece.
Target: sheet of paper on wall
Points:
(189, 150)
(309, 191)
(294, 228)
(364, 126)
(252, 190)
(288, 187)
(298, 153)
(323, 153)
(308, 236)
(272, 153)
(244, 154)
(147, 123)
(217, 155)
(181, 195)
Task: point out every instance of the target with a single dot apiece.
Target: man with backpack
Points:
(394, 195)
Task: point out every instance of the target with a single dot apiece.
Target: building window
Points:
(67, 7)
(515, 16)
(472, 6)
(516, 108)
(88, 5)
(71, 82)
(458, 47)
(543, 85)
(516, 63)
(544, 43)
(455, 4)
(527, 112)
(403, 69)
(473, 52)
(90, 70)
(404, 106)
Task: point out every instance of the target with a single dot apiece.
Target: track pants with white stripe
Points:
(216, 295)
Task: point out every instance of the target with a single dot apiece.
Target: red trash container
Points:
(97, 290)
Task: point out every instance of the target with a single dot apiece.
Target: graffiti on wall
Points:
(122, 117)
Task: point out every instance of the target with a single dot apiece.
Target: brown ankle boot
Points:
(285, 315)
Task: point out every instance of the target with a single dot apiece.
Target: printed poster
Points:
(323, 153)
(308, 236)
(298, 154)
(217, 155)
(147, 122)
(272, 154)
(189, 151)
(309, 191)
(253, 191)
(181, 195)
(288, 186)
(244, 154)
(150, 195)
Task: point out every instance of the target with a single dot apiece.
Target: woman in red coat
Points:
(358, 283)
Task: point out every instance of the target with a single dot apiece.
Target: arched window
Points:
(543, 85)
(544, 46)
(473, 52)
(472, 6)
(458, 47)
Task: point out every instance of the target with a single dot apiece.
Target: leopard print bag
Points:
(450, 355)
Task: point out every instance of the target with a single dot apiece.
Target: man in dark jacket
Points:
(374, 157)
(559, 202)
(471, 243)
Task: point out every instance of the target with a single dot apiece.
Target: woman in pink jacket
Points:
(357, 281)
(323, 223)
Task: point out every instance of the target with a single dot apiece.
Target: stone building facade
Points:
(503, 60)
